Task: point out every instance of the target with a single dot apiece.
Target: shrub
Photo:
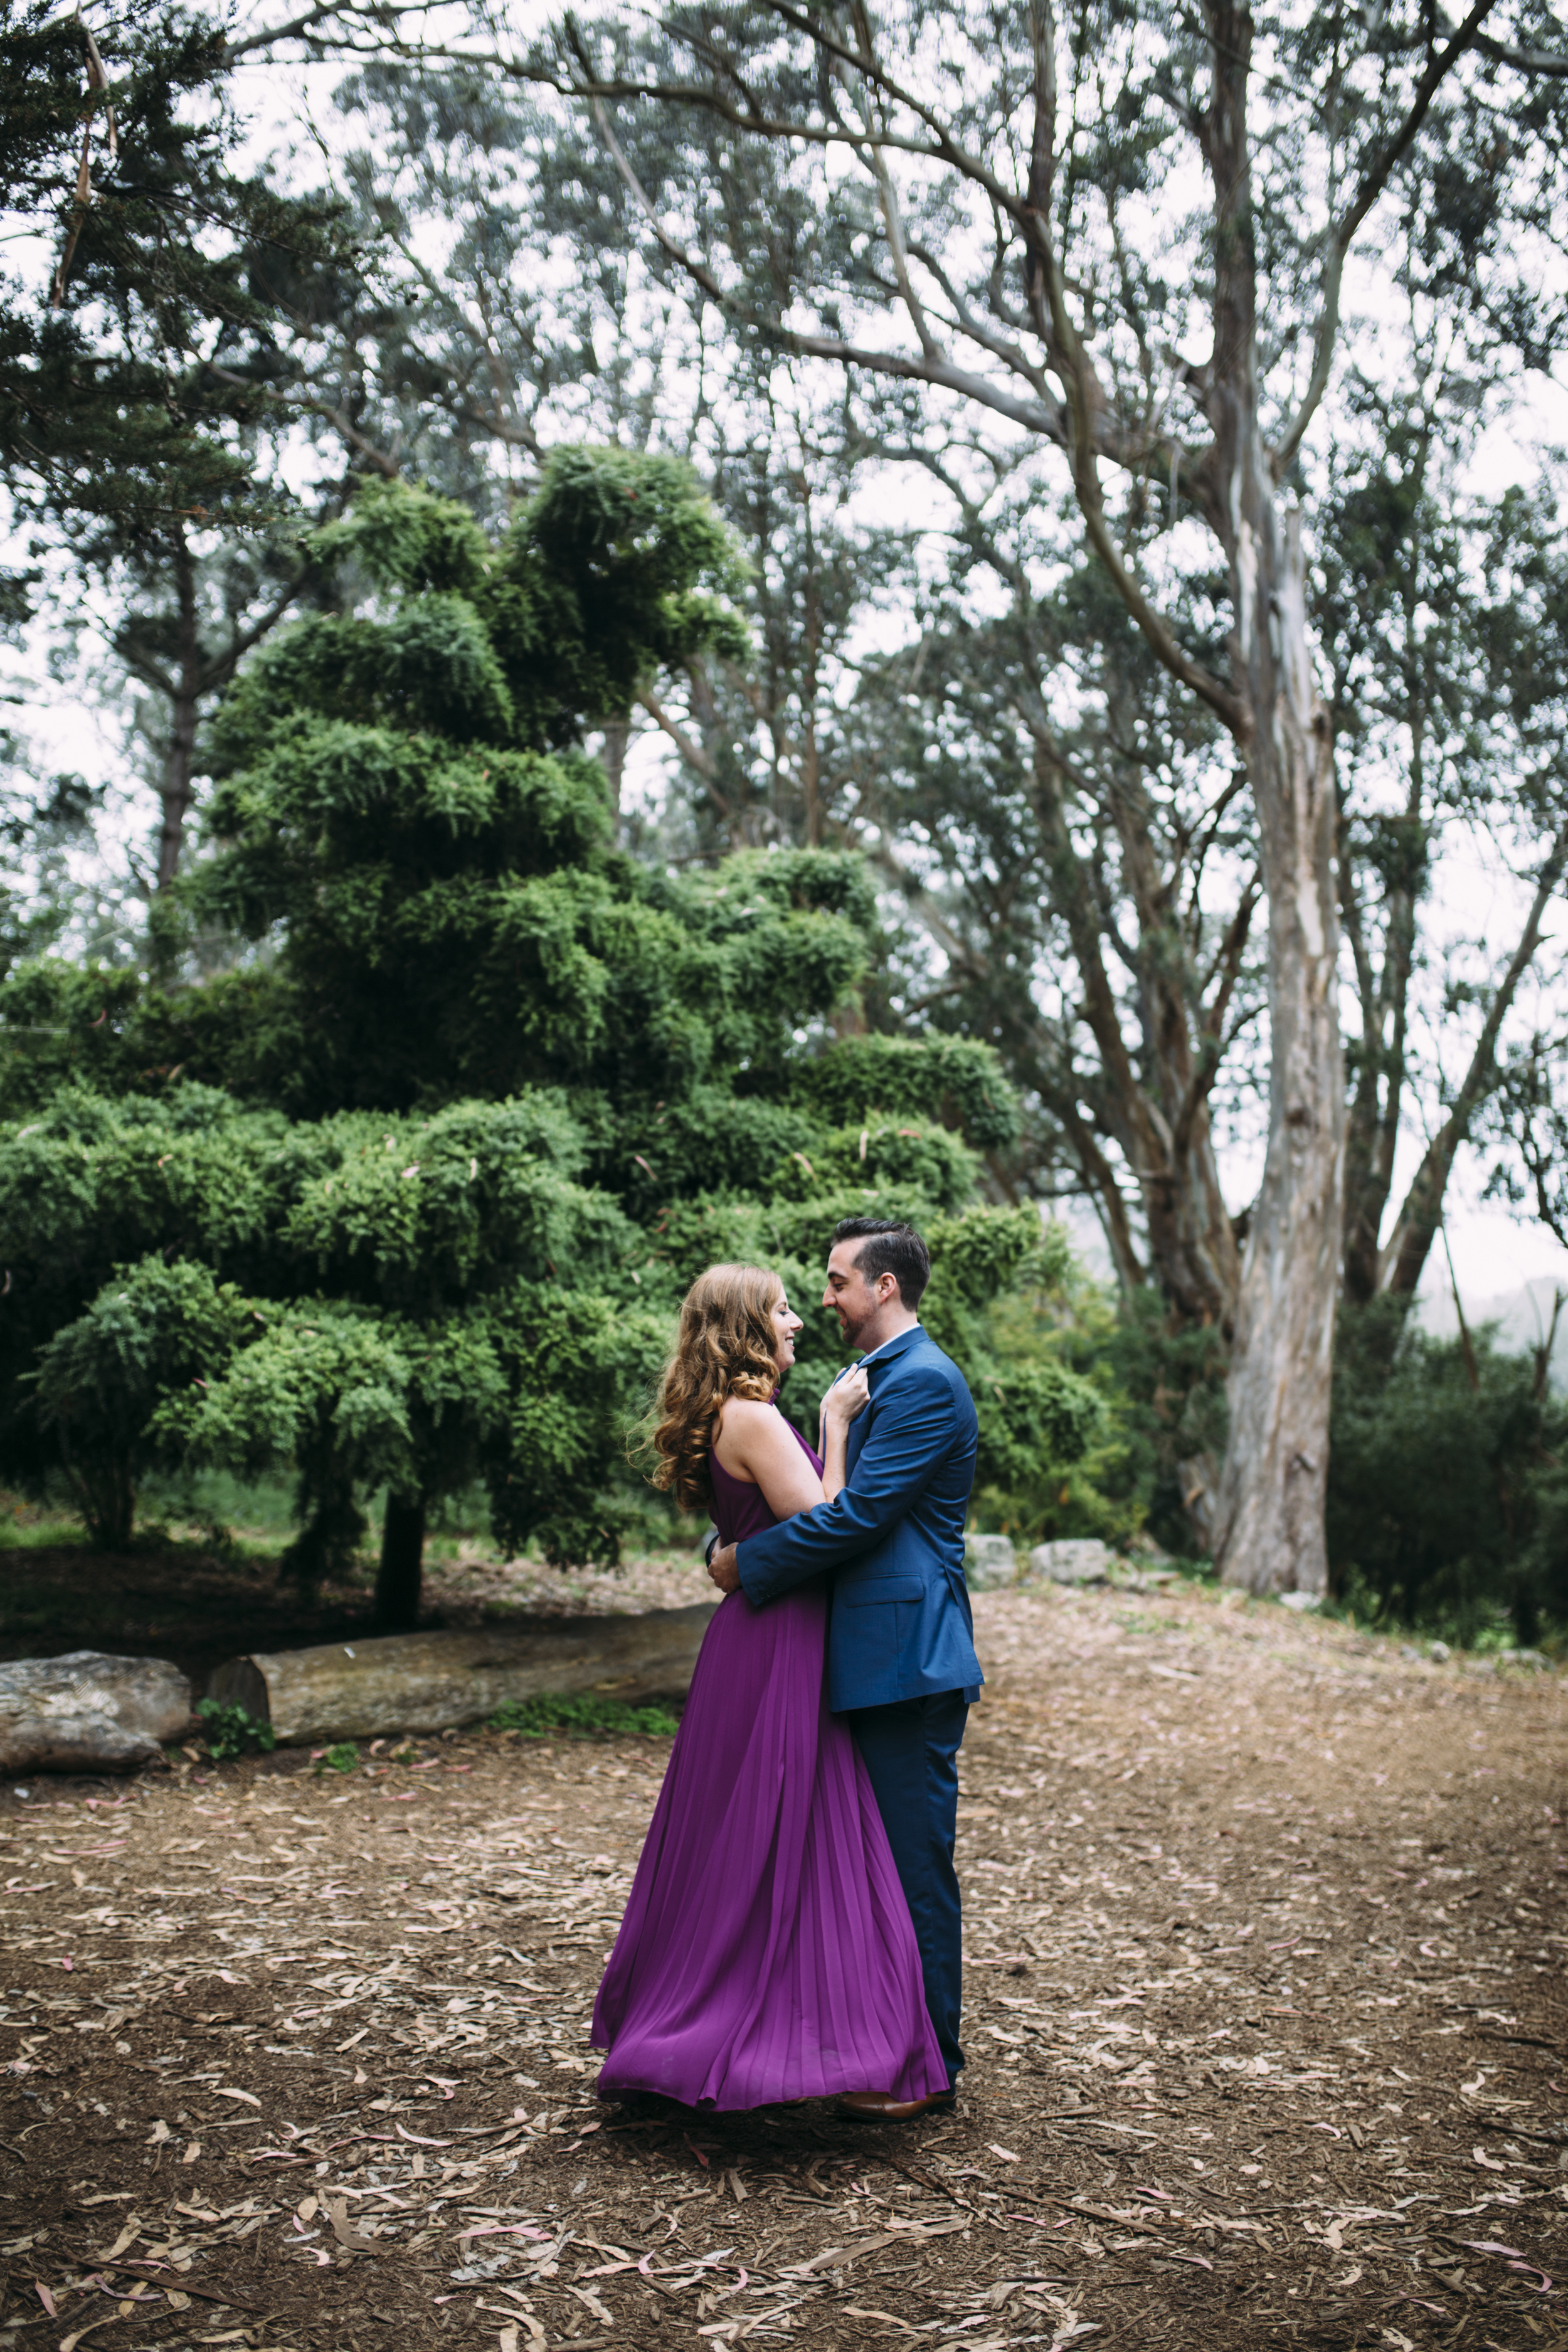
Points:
(1448, 1504)
(153, 1330)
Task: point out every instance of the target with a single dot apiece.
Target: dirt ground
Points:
(1265, 2020)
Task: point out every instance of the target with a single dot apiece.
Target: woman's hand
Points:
(844, 1400)
(848, 1397)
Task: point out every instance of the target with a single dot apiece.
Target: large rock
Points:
(89, 1713)
(434, 1681)
(1072, 1560)
(989, 1562)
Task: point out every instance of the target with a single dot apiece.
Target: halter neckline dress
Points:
(767, 1952)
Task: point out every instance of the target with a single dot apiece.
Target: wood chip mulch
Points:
(1265, 2024)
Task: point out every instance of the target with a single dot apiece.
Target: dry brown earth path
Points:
(1266, 2021)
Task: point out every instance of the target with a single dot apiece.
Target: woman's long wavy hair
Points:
(724, 1349)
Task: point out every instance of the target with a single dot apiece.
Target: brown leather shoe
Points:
(882, 2107)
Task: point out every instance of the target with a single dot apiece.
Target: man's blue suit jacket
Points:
(901, 1624)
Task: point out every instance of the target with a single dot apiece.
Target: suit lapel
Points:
(876, 1373)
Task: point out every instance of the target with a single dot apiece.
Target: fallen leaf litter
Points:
(1265, 2022)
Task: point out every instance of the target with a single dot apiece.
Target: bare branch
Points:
(1105, 1192)
(690, 749)
(893, 223)
(1403, 1257)
(1034, 415)
(337, 417)
(965, 319)
(1546, 62)
(1375, 179)
(271, 33)
(1081, 391)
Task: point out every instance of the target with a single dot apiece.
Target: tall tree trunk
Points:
(617, 736)
(399, 1581)
(1373, 1118)
(1269, 1513)
(179, 760)
(810, 760)
(1272, 1486)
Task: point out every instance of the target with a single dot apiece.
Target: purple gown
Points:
(767, 1952)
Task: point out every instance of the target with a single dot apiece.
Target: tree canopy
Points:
(131, 363)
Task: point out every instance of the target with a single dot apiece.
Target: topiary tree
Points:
(465, 1132)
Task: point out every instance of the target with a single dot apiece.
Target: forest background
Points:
(592, 539)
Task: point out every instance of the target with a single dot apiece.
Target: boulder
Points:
(1299, 1601)
(89, 1713)
(1072, 1560)
(989, 1562)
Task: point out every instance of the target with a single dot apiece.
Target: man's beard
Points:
(853, 1326)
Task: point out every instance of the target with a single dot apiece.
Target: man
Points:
(900, 1648)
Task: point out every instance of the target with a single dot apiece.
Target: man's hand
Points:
(724, 1568)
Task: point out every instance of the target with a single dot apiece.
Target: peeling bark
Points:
(1270, 1503)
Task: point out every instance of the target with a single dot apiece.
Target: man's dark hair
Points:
(890, 1248)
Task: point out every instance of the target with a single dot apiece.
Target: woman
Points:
(766, 1952)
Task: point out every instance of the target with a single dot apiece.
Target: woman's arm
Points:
(844, 1400)
(754, 1442)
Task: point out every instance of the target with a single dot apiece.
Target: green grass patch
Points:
(343, 1757)
(543, 1718)
(42, 1527)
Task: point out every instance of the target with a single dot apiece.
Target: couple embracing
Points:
(794, 1929)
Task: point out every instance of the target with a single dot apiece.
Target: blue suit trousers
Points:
(911, 1750)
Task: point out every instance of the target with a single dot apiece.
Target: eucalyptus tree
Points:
(1068, 827)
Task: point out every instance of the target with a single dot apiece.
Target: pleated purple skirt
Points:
(766, 1952)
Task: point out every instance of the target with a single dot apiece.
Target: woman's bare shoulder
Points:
(738, 1413)
(743, 1434)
